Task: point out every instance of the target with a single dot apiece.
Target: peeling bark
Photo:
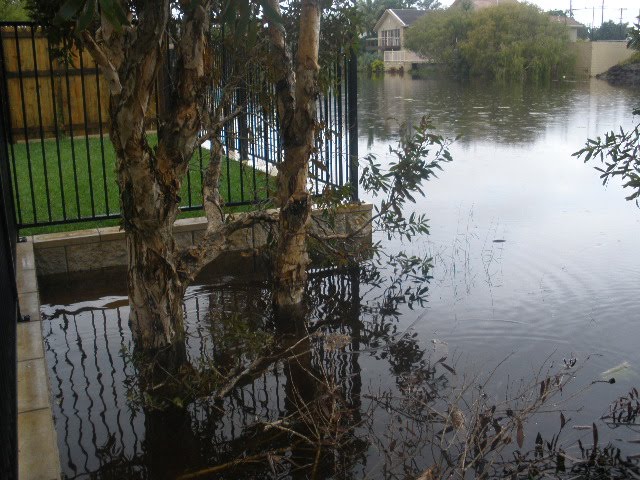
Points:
(296, 96)
(150, 179)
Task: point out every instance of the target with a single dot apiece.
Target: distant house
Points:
(391, 29)
(572, 25)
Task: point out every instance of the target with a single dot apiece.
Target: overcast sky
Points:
(584, 9)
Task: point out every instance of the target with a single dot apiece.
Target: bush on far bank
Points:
(508, 42)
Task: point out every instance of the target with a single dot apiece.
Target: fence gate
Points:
(8, 317)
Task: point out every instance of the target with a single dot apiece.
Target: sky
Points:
(584, 9)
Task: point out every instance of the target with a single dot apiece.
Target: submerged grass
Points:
(75, 178)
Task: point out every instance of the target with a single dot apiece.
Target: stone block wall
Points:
(100, 248)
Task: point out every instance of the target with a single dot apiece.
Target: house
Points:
(391, 29)
(571, 23)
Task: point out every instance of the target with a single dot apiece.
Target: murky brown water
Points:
(562, 282)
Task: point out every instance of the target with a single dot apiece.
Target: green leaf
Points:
(87, 15)
(67, 11)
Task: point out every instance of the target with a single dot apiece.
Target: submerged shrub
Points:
(507, 42)
(377, 67)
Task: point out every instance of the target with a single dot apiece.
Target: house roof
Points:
(478, 4)
(406, 16)
(568, 21)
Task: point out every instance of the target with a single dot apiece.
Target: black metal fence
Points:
(63, 164)
(8, 318)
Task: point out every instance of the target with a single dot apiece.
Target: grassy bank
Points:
(76, 178)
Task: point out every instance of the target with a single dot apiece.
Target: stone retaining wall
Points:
(100, 248)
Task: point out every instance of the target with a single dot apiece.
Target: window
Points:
(391, 38)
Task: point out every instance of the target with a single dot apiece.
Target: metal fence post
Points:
(8, 317)
(352, 122)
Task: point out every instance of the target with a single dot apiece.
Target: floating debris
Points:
(616, 369)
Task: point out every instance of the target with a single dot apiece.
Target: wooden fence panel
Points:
(50, 94)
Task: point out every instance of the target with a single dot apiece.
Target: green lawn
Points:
(88, 187)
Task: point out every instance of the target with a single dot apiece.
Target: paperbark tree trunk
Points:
(149, 179)
(296, 95)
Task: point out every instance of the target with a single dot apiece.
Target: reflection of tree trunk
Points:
(302, 382)
(170, 443)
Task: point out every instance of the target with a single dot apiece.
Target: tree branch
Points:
(216, 128)
(107, 68)
(282, 66)
(216, 241)
(184, 119)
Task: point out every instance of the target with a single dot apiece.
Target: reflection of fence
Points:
(50, 96)
(63, 167)
(8, 318)
(100, 429)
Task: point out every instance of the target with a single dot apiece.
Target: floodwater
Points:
(534, 263)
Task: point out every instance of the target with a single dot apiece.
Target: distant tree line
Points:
(608, 31)
(509, 42)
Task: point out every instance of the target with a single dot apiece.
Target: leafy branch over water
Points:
(619, 154)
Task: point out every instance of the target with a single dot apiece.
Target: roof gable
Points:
(408, 16)
(404, 16)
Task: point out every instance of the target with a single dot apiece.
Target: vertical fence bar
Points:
(101, 133)
(6, 112)
(70, 124)
(56, 128)
(86, 134)
(255, 145)
(339, 117)
(201, 173)
(243, 134)
(45, 170)
(352, 123)
(9, 317)
(25, 124)
(265, 147)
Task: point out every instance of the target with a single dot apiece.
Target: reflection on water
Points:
(102, 427)
(533, 257)
(533, 260)
(511, 115)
